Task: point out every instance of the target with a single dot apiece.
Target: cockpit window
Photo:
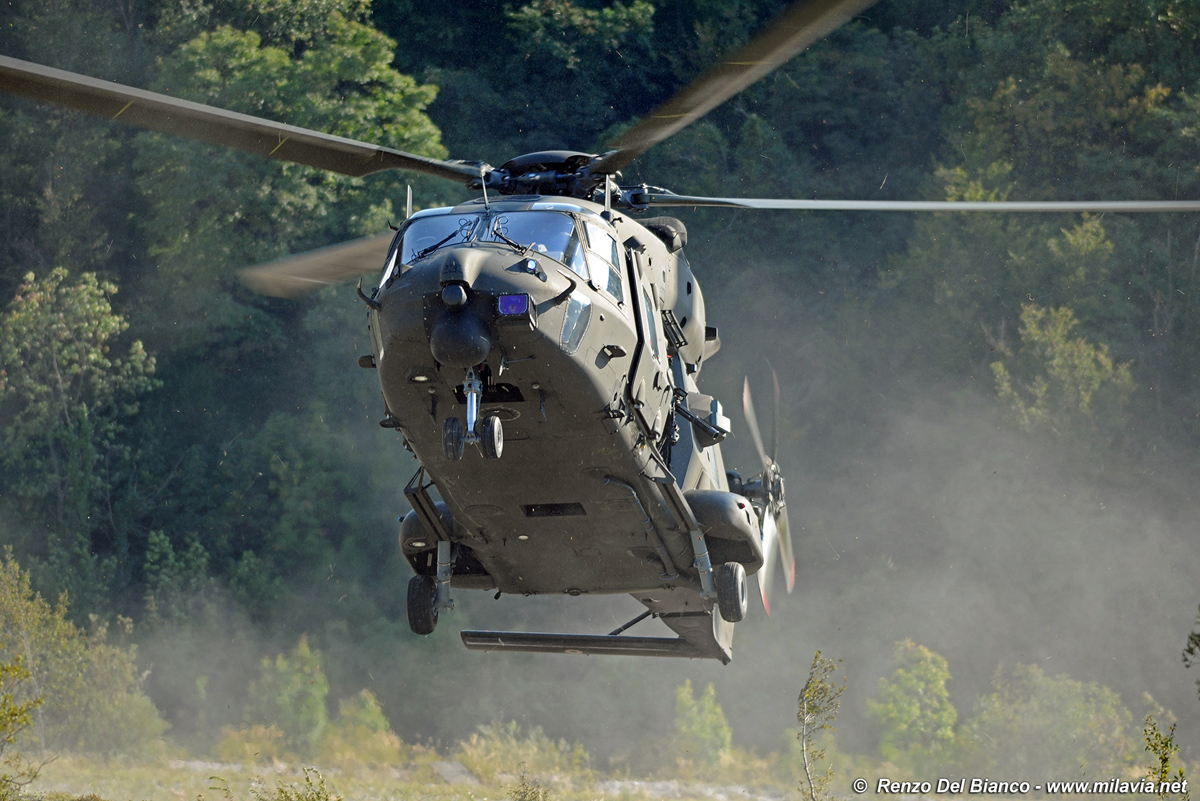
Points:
(605, 260)
(426, 234)
(547, 232)
(551, 233)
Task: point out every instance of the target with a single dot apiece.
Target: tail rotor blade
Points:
(775, 418)
(770, 537)
(752, 421)
(786, 555)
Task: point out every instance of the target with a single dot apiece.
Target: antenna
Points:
(607, 196)
(408, 205)
(483, 184)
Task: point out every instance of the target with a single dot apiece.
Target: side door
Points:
(650, 391)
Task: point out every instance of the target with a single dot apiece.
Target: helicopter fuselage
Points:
(581, 331)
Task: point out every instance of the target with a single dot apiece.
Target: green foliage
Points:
(1034, 724)
(360, 735)
(553, 50)
(66, 394)
(250, 745)
(528, 789)
(216, 210)
(1162, 747)
(92, 694)
(175, 581)
(914, 711)
(313, 789)
(15, 717)
(290, 694)
(498, 748)
(702, 733)
(818, 705)
(1063, 383)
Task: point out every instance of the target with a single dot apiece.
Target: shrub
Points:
(251, 745)
(313, 789)
(702, 734)
(498, 748)
(290, 695)
(92, 689)
(914, 709)
(15, 717)
(360, 736)
(1039, 725)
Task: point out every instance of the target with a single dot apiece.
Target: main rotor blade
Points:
(657, 199)
(216, 126)
(752, 421)
(795, 29)
(295, 276)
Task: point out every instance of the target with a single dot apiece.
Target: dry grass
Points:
(82, 779)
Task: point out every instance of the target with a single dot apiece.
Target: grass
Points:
(74, 778)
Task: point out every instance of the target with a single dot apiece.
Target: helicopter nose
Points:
(459, 338)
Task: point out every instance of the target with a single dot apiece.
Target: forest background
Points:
(989, 424)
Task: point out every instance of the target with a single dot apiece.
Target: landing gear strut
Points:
(429, 595)
(487, 433)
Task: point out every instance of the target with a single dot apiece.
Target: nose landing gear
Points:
(487, 433)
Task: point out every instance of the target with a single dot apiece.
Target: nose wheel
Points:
(487, 433)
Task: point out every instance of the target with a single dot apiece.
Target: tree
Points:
(702, 733)
(1162, 747)
(1063, 382)
(1034, 724)
(290, 694)
(66, 394)
(15, 717)
(914, 708)
(215, 210)
(92, 690)
(819, 701)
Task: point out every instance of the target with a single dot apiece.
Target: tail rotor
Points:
(767, 494)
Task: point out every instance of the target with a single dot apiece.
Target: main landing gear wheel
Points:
(491, 437)
(422, 611)
(732, 597)
(452, 439)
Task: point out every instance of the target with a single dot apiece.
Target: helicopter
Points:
(538, 349)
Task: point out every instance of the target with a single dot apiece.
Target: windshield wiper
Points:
(423, 253)
(522, 249)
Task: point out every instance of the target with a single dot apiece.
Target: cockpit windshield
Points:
(426, 234)
(547, 232)
(551, 233)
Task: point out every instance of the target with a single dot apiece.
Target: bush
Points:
(15, 717)
(914, 710)
(702, 734)
(361, 736)
(1039, 725)
(313, 789)
(290, 695)
(497, 749)
(92, 689)
(251, 745)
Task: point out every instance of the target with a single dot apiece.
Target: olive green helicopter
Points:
(538, 350)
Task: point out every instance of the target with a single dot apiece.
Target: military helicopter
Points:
(538, 350)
